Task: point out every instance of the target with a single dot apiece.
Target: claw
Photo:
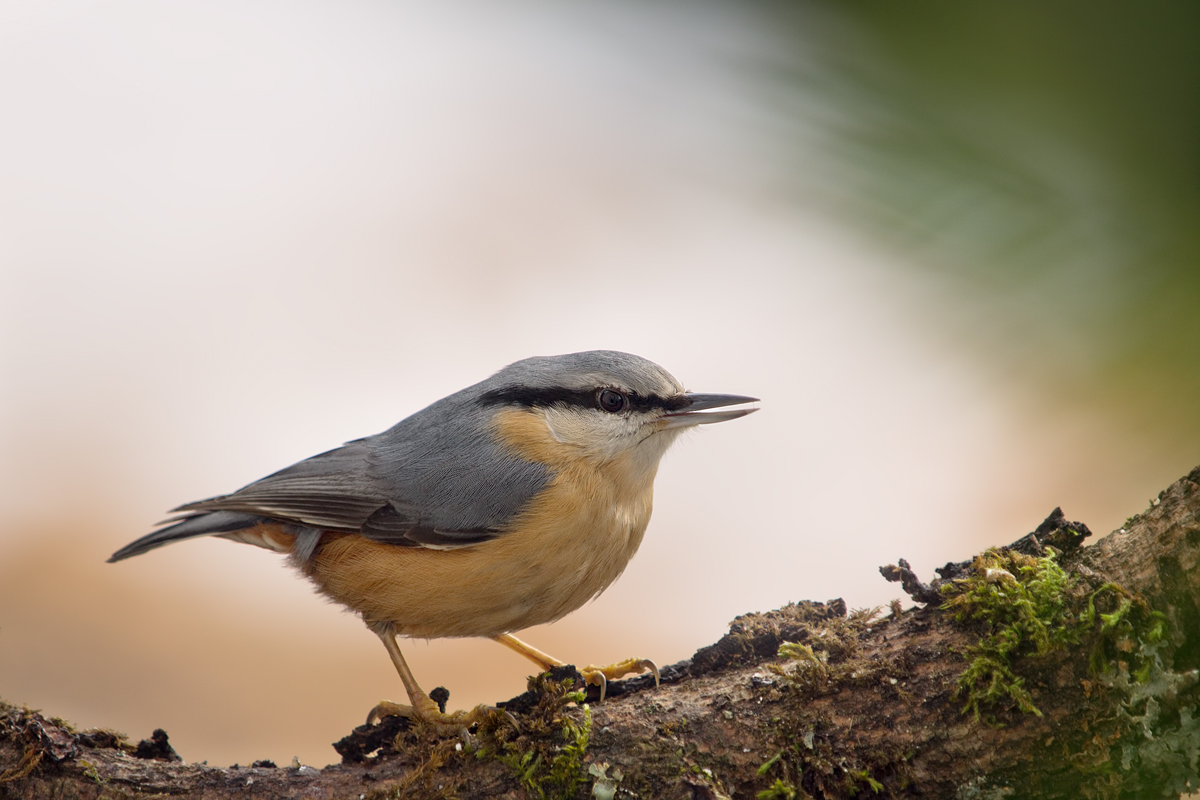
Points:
(386, 708)
(600, 676)
(647, 664)
(598, 679)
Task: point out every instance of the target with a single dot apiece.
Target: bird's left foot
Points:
(456, 723)
(600, 676)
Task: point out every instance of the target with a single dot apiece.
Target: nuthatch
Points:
(508, 504)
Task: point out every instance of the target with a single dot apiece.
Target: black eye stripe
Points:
(530, 397)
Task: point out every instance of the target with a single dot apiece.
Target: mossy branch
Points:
(1041, 669)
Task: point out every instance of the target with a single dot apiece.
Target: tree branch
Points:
(1042, 669)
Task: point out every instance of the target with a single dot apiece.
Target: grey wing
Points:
(447, 480)
(419, 484)
(329, 491)
(326, 492)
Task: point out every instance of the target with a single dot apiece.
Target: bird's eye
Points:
(611, 400)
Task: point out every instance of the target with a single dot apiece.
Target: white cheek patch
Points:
(558, 424)
(600, 435)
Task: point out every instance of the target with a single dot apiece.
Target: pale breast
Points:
(569, 546)
(564, 548)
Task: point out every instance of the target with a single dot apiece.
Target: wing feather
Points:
(330, 491)
(437, 479)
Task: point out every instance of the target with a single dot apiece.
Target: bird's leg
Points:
(543, 660)
(423, 707)
(596, 676)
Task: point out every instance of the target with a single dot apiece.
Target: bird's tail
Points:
(209, 524)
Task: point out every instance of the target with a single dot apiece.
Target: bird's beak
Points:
(694, 412)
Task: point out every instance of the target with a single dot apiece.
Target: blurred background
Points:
(953, 247)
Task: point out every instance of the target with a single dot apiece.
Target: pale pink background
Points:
(233, 235)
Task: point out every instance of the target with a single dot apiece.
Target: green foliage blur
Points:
(1039, 163)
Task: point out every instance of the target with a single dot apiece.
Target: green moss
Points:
(833, 661)
(566, 768)
(812, 763)
(815, 766)
(1025, 607)
(1154, 737)
(547, 756)
(1028, 607)
(772, 761)
(779, 790)
(425, 779)
(862, 778)
(90, 772)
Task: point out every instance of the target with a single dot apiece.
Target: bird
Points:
(508, 504)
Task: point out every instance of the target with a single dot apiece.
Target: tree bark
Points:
(1043, 669)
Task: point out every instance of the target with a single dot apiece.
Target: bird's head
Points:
(599, 405)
